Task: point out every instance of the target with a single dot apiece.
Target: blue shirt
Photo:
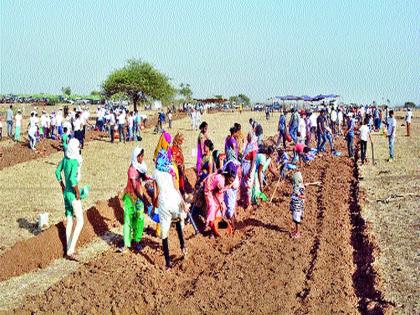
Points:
(350, 126)
(282, 123)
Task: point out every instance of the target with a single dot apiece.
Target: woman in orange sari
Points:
(178, 160)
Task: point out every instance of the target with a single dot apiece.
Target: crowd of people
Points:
(229, 176)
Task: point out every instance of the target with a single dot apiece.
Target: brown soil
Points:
(20, 152)
(258, 270)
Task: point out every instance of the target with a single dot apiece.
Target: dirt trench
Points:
(259, 270)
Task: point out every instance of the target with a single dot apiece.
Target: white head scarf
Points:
(73, 153)
(73, 150)
(141, 167)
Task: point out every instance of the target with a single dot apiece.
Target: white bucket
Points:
(43, 220)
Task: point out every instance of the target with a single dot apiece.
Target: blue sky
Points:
(362, 50)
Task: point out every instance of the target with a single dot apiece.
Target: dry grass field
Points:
(392, 210)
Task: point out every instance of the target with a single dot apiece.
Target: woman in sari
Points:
(178, 160)
(164, 143)
(231, 145)
(248, 169)
(207, 162)
(202, 137)
(263, 163)
(214, 187)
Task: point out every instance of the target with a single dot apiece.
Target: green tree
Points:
(185, 91)
(409, 104)
(233, 99)
(95, 93)
(218, 96)
(242, 98)
(66, 90)
(139, 78)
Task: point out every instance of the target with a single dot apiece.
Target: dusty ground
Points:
(259, 270)
(331, 269)
(30, 188)
(392, 211)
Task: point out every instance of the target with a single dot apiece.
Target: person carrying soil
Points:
(167, 199)
(70, 165)
(214, 187)
(297, 202)
(133, 202)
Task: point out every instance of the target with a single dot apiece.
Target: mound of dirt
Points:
(259, 269)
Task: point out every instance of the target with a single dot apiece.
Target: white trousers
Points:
(71, 239)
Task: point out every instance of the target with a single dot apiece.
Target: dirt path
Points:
(259, 270)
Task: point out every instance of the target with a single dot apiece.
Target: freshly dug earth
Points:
(258, 270)
(20, 152)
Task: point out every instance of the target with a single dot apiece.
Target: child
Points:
(169, 202)
(297, 202)
(133, 202)
(283, 160)
(230, 195)
(71, 165)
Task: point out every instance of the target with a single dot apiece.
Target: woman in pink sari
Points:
(248, 170)
(214, 187)
(202, 137)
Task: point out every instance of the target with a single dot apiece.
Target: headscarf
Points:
(164, 143)
(163, 163)
(297, 181)
(73, 153)
(73, 150)
(141, 167)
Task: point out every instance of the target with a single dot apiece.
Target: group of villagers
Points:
(225, 179)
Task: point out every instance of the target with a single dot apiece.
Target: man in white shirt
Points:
(312, 120)
(18, 120)
(302, 127)
(408, 118)
(364, 136)
(59, 121)
(340, 118)
(44, 126)
(391, 128)
(334, 121)
(33, 127)
(121, 126)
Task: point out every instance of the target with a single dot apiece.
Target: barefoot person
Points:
(133, 201)
(297, 202)
(70, 165)
(169, 202)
